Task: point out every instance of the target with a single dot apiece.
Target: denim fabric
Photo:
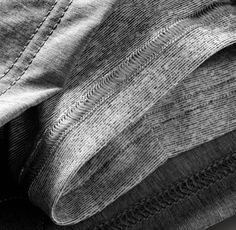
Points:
(120, 87)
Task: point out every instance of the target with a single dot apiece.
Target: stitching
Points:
(208, 8)
(54, 127)
(39, 48)
(85, 115)
(211, 6)
(102, 99)
(157, 202)
(152, 129)
(29, 40)
(95, 86)
(104, 80)
(151, 43)
(189, 96)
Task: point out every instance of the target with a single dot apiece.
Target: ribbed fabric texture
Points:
(169, 92)
(193, 190)
(120, 88)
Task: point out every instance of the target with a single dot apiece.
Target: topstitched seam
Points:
(189, 96)
(68, 130)
(161, 123)
(29, 40)
(39, 48)
(181, 190)
(85, 115)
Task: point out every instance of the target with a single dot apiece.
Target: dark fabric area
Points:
(20, 21)
(200, 210)
(193, 189)
(22, 132)
(17, 139)
(214, 203)
(19, 214)
(16, 142)
(87, 124)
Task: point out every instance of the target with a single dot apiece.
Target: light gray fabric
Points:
(91, 150)
(123, 86)
(56, 33)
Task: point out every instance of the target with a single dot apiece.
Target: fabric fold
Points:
(41, 67)
(103, 139)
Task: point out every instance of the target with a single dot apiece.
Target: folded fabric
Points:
(134, 83)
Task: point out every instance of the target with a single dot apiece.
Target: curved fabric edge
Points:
(199, 45)
(20, 91)
(41, 72)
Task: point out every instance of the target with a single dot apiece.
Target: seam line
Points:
(81, 119)
(39, 48)
(101, 100)
(29, 40)
(62, 135)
